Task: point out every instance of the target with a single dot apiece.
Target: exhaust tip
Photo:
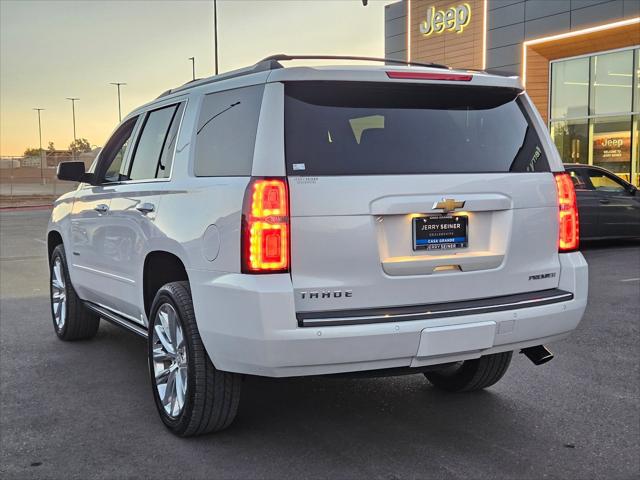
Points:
(538, 354)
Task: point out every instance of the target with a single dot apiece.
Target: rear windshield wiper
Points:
(217, 115)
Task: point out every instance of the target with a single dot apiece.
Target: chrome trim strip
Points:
(117, 319)
(561, 296)
(120, 314)
(104, 274)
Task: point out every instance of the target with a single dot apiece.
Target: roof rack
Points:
(283, 57)
(261, 66)
(273, 63)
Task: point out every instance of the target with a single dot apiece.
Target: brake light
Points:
(455, 77)
(569, 236)
(265, 226)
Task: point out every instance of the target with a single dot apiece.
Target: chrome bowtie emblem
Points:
(447, 205)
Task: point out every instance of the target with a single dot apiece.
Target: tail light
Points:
(569, 236)
(265, 226)
(451, 77)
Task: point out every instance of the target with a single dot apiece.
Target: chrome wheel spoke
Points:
(58, 273)
(179, 339)
(160, 355)
(163, 375)
(63, 314)
(162, 337)
(169, 393)
(58, 294)
(169, 362)
(179, 392)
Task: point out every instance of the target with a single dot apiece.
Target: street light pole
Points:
(215, 32)
(117, 84)
(193, 66)
(40, 138)
(73, 109)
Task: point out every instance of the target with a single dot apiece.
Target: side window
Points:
(112, 156)
(151, 142)
(226, 133)
(578, 179)
(166, 157)
(605, 183)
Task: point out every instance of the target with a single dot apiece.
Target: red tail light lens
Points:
(265, 227)
(450, 77)
(569, 236)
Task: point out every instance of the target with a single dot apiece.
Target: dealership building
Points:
(578, 59)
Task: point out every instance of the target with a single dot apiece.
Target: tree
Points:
(80, 145)
(32, 152)
(51, 148)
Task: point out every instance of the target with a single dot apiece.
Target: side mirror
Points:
(633, 189)
(74, 172)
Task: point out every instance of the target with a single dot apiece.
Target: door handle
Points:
(101, 208)
(145, 207)
(604, 201)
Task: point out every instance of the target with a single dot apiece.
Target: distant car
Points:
(608, 206)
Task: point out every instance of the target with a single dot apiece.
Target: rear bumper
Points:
(432, 311)
(249, 325)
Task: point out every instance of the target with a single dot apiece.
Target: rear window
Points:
(336, 128)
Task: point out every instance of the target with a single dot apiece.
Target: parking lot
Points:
(85, 410)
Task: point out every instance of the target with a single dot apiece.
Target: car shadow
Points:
(614, 243)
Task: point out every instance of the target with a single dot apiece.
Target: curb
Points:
(25, 207)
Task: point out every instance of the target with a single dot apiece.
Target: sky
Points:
(51, 49)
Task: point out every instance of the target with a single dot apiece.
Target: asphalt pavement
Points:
(84, 409)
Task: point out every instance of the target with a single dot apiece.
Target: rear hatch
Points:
(405, 194)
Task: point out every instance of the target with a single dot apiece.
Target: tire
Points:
(471, 375)
(208, 400)
(71, 319)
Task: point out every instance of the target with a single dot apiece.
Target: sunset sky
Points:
(52, 49)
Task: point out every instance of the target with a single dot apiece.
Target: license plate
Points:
(440, 232)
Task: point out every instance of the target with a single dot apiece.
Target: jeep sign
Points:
(454, 18)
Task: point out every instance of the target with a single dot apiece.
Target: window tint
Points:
(367, 129)
(578, 180)
(226, 132)
(150, 143)
(113, 172)
(112, 155)
(166, 157)
(605, 183)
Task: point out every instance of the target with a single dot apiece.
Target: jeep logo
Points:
(327, 294)
(453, 19)
(612, 143)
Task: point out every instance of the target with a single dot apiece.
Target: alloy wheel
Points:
(58, 294)
(169, 353)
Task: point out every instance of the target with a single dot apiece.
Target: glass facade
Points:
(595, 111)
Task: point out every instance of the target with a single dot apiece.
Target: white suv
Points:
(307, 221)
